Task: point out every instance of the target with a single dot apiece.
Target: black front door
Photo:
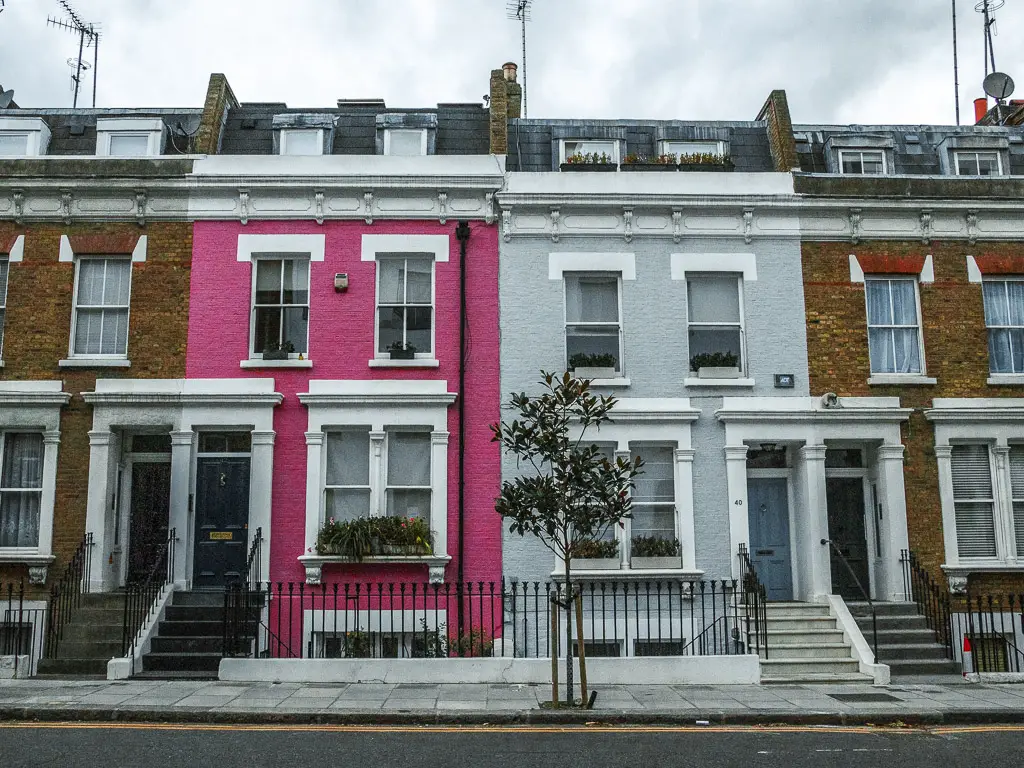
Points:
(222, 520)
(845, 498)
(150, 513)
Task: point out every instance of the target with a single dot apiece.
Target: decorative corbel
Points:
(19, 205)
(243, 203)
(141, 200)
(855, 221)
(442, 206)
(957, 583)
(489, 208)
(748, 225)
(435, 574)
(972, 226)
(506, 224)
(627, 219)
(37, 574)
(318, 197)
(677, 225)
(66, 196)
(314, 573)
(368, 207)
(555, 216)
(926, 226)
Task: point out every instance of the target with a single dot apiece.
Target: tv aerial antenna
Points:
(520, 11)
(88, 37)
(986, 8)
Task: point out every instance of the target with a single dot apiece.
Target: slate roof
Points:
(73, 131)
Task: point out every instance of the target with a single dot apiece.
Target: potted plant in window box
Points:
(640, 163)
(705, 161)
(589, 161)
(402, 536)
(654, 552)
(715, 365)
(401, 351)
(278, 350)
(585, 366)
(597, 555)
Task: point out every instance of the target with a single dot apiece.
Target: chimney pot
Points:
(980, 108)
(510, 69)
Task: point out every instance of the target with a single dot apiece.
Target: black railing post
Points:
(871, 604)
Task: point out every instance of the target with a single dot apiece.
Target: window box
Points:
(656, 563)
(597, 563)
(409, 353)
(314, 564)
(724, 166)
(276, 354)
(593, 167)
(716, 372)
(649, 167)
(587, 372)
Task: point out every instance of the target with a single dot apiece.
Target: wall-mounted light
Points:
(341, 282)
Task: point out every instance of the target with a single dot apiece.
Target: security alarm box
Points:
(341, 282)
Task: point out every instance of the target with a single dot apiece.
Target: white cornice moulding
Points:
(714, 262)
(437, 245)
(623, 263)
(252, 245)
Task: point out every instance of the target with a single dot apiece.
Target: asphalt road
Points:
(174, 746)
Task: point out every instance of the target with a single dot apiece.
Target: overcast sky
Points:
(848, 61)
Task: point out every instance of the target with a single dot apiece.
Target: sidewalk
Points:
(920, 702)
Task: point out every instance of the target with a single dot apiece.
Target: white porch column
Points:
(813, 457)
(260, 494)
(100, 500)
(51, 441)
(944, 457)
(624, 534)
(893, 525)
(684, 505)
(739, 525)
(439, 495)
(180, 518)
(314, 461)
(1003, 514)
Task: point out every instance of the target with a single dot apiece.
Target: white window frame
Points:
(609, 275)
(423, 139)
(72, 353)
(919, 326)
(676, 146)
(990, 328)
(563, 155)
(977, 153)
(26, 135)
(742, 325)
(287, 132)
(433, 306)
(5, 263)
(3, 444)
(636, 448)
(153, 129)
(841, 154)
(282, 257)
(35, 129)
(992, 500)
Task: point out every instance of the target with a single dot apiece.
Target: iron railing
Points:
(864, 593)
(22, 628)
(415, 620)
(66, 594)
(931, 597)
(254, 562)
(755, 602)
(141, 597)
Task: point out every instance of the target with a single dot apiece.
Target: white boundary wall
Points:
(654, 670)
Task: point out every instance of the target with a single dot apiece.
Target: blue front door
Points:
(768, 515)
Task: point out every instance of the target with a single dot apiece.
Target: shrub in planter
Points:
(597, 366)
(374, 536)
(652, 546)
(401, 351)
(715, 365)
(636, 162)
(602, 554)
(705, 161)
(588, 161)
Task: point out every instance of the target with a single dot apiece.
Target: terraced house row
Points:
(227, 331)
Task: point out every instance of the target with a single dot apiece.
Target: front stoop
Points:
(89, 640)
(905, 642)
(806, 645)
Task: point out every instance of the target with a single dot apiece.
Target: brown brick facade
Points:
(956, 354)
(37, 335)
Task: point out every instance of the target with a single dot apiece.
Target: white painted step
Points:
(800, 622)
(795, 667)
(823, 650)
(826, 679)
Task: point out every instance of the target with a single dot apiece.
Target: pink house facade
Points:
(367, 328)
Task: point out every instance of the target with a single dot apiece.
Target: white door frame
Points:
(124, 503)
(785, 473)
(864, 474)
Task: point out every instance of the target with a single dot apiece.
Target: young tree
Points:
(572, 493)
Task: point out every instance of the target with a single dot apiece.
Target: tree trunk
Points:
(570, 694)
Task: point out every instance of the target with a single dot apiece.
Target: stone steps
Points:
(905, 642)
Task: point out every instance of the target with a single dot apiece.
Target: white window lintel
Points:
(714, 262)
(560, 263)
(375, 245)
(253, 245)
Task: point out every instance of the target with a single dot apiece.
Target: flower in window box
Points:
(638, 162)
(401, 351)
(589, 161)
(705, 161)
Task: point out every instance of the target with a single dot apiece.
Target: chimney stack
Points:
(510, 68)
(506, 103)
(980, 109)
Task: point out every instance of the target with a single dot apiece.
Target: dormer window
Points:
(860, 154)
(129, 137)
(405, 141)
(23, 136)
(974, 163)
(859, 162)
(683, 148)
(596, 148)
(302, 141)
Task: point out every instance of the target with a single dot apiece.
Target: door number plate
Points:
(221, 536)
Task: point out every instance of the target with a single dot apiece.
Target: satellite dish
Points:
(998, 85)
(6, 98)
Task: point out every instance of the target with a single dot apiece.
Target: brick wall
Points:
(956, 354)
(37, 334)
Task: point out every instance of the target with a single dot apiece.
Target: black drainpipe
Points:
(462, 235)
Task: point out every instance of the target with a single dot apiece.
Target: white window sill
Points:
(1006, 380)
(28, 556)
(901, 379)
(619, 382)
(984, 566)
(260, 363)
(419, 362)
(695, 382)
(95, 362)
